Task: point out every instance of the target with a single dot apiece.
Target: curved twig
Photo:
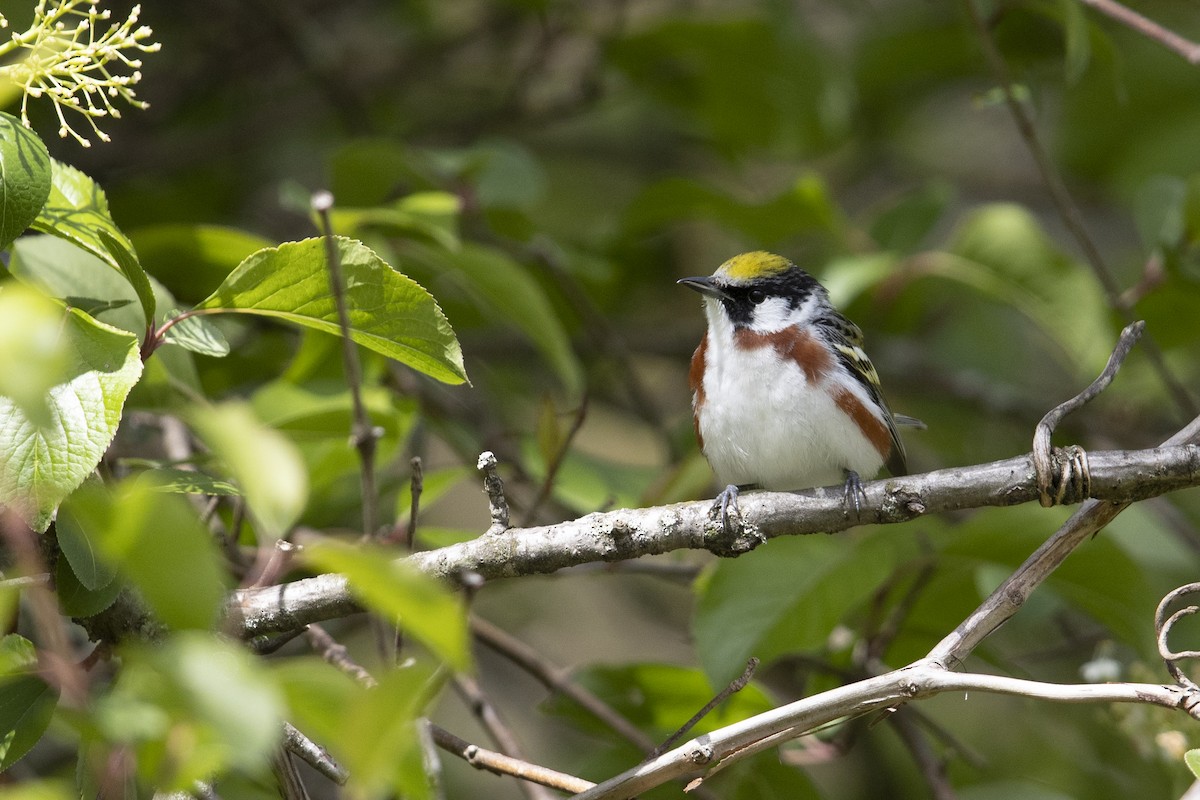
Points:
(1162, 629)
(1070, 482)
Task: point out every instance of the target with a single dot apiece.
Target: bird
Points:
(783, 395)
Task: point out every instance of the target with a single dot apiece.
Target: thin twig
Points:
(1071, 215)
(417, 486)
(932, 768)
(735, 686)
(313, 754)
(364, 435)
(500, 764)
(720, 748)
(556, 679)
(1162, 629)
(499, 732)
(1042, 460)
(335, 653)
(493, 486)
(1189, 50)
(1010, 595)
(556, 462)
(57, 664)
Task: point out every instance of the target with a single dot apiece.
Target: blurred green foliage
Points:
(537, 175)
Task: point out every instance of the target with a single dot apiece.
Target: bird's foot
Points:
(728, 500)
(852, 493)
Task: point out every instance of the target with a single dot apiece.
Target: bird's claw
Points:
(728, 499)
(852, 492)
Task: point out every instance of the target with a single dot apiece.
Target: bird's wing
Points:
(846, 339)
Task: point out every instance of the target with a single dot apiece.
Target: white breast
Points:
(764, 423)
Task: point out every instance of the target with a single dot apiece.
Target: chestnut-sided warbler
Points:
(784, 397)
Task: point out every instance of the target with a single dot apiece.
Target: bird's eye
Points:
(757, 296)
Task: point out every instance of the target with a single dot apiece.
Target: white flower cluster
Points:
(71, 52)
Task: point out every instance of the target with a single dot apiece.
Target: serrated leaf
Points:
(34, 354)
(159, 544)
(81, 551)
(26, 705)
(389, 313)
(77, 210)
(62, 269)
(24, 178)
(264, 464)
(424, 607)
(41, 464)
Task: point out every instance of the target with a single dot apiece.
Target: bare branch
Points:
(1119, 476)
(500, 764)
(313, 754)
(1189, 50)
(922, 679)
(735, 686)
(556, 679)
(1012, 593)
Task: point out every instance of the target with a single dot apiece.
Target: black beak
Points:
(705, 286)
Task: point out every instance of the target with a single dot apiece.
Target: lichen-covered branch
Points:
(1119, 476)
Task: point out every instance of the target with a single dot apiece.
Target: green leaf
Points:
(196, 688)
(63, 270)
(192, 259)
(658, 698)
(122, 253)
(77, 600)
(34, 355)
(17, 654)
(198, 335)
(81, 552)
(424, 607)
(26, 705)
(24, 178)
(264, 464)
(434, 485)
(389, 313)
(379, 744)
(1078, 40)
(804, 207)
(77, 211)
(158, 543)
(1192, 759)
(504, 289)
(786, 596)
(427, 215)
(41, 464)
(186, 481)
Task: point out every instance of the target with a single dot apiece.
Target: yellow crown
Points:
(749, 266)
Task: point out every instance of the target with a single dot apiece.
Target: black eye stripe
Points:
(795, 286)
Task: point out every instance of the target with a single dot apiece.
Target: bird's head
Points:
(760, 291)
